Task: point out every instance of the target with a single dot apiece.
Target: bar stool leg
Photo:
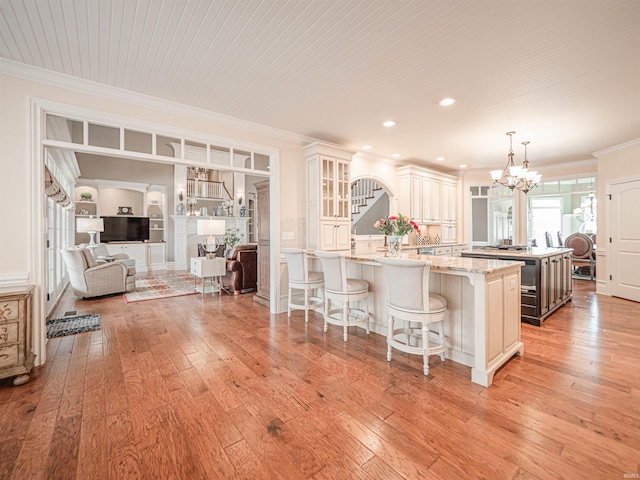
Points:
(306, 305)
(389, 337)
(326, 313)
(366, 313)
(345, 319)
(425, 348)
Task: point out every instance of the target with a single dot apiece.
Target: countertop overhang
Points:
(441, 263)
(534, 252)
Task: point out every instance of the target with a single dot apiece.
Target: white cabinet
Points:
(203, 268)
(449, 233)
(449, 204)
(156, 256)
(328, 197)
(431, 201)
(135, 251)
(335, 235)
(148, 256)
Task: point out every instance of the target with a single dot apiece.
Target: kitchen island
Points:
(482, 326)
(546, 278)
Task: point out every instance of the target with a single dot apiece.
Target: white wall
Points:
(615, 163)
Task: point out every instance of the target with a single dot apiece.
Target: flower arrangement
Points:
(396, 225)
(86, 196)
(232, 237)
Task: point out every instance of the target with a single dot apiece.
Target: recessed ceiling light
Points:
(389, 123)
(367, 147)
(439, 159)
(396, 155)
(463, 166)
(445, 102)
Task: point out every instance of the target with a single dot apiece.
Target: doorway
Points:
(74, 130)
(623, 262)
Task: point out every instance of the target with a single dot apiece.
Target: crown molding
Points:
(615, 148)
(56, 79)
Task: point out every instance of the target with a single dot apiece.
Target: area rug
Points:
(59, 327)
(161, 286)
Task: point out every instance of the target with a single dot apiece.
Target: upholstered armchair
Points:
(88, 278)
(100, 252)
(242, 268)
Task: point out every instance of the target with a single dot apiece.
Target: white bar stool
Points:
(337, 287)
(410, 301)
(300, 278)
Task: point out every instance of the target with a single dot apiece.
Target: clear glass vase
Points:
(394, 243)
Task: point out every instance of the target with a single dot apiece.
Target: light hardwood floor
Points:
(190, 388)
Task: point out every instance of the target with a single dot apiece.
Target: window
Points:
(545, 215)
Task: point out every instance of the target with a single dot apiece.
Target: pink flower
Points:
(393, 218)
(406, 219)
(414, 225)
(377, 224)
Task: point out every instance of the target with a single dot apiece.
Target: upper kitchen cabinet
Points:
(328, 197)
(426, 196)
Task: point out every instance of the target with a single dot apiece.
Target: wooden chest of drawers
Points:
(16, 355)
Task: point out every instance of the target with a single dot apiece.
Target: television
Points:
(125, 229)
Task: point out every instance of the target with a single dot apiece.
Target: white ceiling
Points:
(564, 74)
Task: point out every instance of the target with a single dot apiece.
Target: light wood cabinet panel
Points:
(16, 353)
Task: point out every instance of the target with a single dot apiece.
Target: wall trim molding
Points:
(14, 279)
(90, 87)
(615, 148)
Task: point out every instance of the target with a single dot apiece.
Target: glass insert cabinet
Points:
(328, 197)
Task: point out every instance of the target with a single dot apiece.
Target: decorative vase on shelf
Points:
(426, 240)
(437, 239)
(180, 209)
(394, 243)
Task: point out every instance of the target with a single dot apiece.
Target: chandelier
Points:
(513, 176)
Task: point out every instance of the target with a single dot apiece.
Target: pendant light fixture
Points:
(516, 177)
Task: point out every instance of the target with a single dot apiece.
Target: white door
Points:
(623, 254)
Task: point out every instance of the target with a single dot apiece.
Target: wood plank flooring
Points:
(217, 388)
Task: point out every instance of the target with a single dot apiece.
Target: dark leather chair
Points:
(242, 268)
(583, 254)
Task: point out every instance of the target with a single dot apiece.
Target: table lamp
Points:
(90, 225)
(211, 228)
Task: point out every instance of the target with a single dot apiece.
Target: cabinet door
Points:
(156, 254)
(449, 194)
(327, 236)
(449, 233)
(431, 200)
(343, 236)
(137, 252)
(543, 285)
(416, 199)
(343, 191)
(404, 195)
(328, 187)
(555, 282)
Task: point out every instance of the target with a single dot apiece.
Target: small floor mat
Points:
(59, 327)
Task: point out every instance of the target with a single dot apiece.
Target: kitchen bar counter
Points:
(482, 326)
(546, 282)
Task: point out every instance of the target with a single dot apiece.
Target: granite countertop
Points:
(441, 263)
(534, 252)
